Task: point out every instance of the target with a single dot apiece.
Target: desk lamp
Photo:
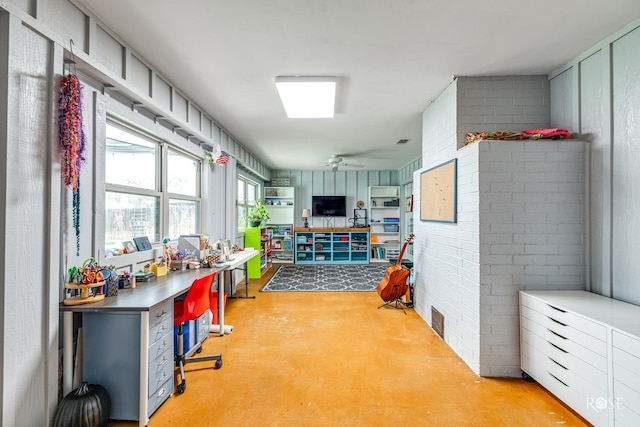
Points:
(306, 214)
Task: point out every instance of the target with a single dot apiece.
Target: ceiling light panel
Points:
(307, 97)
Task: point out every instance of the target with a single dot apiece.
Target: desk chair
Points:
(195, 304)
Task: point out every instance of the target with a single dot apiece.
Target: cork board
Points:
(438, 193)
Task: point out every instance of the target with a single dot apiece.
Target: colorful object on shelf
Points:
(72, 142)
(87, 283)
(545, 133)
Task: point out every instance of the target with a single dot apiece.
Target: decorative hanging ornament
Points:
(72, 142)
(217, 156)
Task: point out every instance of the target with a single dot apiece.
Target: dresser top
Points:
(618, 314)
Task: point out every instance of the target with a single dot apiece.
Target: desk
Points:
(238, 259)
(133, 317)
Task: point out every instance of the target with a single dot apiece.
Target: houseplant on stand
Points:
(258, 214)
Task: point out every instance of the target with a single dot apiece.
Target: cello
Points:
(394, 283)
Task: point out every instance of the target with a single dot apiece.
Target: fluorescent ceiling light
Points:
(307, 97)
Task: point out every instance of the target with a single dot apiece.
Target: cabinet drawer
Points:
(160, 314)
(160, 370)
(584, 331)
(567, 331)
(160, 329)
(159, 397)
(626, 343)
(565, 344)
(625, 369)
(628, 401)
(160, 347)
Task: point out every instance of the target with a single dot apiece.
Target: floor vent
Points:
(437, 322)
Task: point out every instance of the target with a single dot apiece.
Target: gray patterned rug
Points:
(326, 278)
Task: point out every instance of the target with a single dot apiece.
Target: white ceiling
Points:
(392, 58)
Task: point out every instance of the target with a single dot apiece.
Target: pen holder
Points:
(159, 268)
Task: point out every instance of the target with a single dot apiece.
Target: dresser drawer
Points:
(160, 315)
(628, 404)
(584, 332)
(565, 331)
(566, 345)
(160, 370)
(626, 343)
(160, 346)
(623, 364)
(159, 397)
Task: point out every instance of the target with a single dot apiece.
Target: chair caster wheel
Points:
(181, 388)
(218, 364)
(199, 350)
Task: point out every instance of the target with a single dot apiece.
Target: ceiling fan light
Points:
(307, 97)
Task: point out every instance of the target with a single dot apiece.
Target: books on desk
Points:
(141, 276)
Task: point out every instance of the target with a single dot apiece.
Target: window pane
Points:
(242, 216)
(182, 174)
(241, 199)
(251, 194)
(130, 159)
(183, 217)
(131, 215)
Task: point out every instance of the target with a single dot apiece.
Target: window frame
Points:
(246, 181)
(161, 181)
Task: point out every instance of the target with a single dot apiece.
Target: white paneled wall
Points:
(353, 184)
(597, 96)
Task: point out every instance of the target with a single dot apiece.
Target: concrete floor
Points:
(335, 359)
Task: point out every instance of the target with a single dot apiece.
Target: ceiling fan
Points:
(336, 160)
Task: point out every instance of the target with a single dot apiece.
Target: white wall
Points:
(353, 184)
(598, 95)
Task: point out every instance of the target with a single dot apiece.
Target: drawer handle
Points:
(556, 334)
(559, 348)
(558, 379)
(161, 314)
(557, 309)
(556, 321)
(559, 364)
(161, 391)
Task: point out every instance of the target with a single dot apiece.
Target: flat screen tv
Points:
(329, 206)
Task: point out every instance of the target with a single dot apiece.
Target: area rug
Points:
(326, 278)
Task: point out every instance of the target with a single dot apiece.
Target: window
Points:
(136, 203)
(183, 184)
(247, 192)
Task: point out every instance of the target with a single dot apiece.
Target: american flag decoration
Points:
(218, 156)
(222, 159)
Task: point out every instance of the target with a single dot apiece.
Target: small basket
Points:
(391, 228)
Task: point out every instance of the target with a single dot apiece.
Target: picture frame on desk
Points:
(142, 243)
(129, 247)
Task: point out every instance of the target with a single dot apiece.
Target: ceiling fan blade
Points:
(351, 165)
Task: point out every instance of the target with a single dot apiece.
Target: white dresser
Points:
(585, 349)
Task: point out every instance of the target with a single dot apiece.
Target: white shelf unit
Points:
(282, 243)
(279, 202)
(384, 222)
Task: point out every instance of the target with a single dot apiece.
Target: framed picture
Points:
(142, 243)
(129, 247)
(438, 192)
(408, 203)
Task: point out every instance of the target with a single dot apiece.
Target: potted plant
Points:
(258, 214)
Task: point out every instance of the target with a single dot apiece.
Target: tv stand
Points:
(331, 245)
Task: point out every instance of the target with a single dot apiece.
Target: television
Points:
(329, 206)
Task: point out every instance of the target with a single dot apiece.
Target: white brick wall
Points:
(520, 209)
(502, 103)
(539, 248)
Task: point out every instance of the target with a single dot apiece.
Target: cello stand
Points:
(396, 302)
